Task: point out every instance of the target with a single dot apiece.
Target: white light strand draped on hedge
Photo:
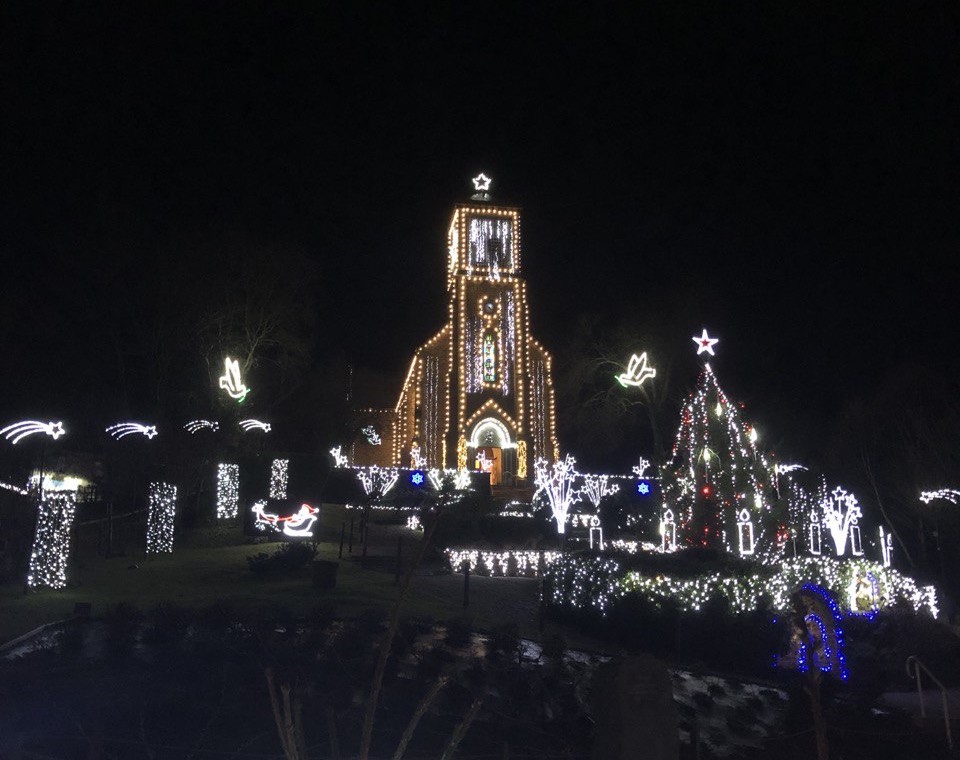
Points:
(511, 562)
(162, 508)
(861, 586)
(51, 543)
(278, 478)
(228, 490)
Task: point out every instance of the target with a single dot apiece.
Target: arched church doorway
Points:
(490, 459)
(488, 441)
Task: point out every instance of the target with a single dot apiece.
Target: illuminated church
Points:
(478, 394)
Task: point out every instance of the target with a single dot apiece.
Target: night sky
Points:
(783, 174)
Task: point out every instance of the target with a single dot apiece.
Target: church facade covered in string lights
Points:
(478, 394)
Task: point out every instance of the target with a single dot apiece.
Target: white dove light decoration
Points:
(123, 429)
(230, 380)
(20, 430)
(637, 371)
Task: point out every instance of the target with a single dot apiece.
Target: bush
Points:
(459, 631)
(554, 645)
(287, 558)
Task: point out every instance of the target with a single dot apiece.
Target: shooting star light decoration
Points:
(20, 430)
(194, 426)
(637, 371)
(123, 429)
(231, 382)
(253, 424)
(949, 494)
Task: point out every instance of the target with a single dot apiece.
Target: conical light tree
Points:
(718, 484)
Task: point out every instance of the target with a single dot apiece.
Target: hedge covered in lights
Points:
(597, 583)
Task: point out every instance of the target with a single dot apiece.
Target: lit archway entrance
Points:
(489, 439)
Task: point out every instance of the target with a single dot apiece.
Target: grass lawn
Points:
(208, 567)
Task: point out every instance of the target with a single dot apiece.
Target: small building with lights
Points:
(479, 393)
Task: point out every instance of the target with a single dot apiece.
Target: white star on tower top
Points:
(481, 182)
(705, 343)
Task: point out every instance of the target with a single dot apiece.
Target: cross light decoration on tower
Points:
(705, 343)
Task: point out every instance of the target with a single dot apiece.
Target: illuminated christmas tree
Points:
(717, 484)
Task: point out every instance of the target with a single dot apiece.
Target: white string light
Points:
(162, 509)
(20, 430)
(840, 513)
(640, 469)
(556, 483)
(278, 478)
(252, 424)
(595, 582)
(745, 533)
(195, 426)
(123, 429)
(513, 562)
(231, 382)
(51, 543)
(296, 525)
(886, 546)
(481, 183)
(371, 434)
(417, 460)
(638, 370)
(377, 481)
(668, 532)
(13, 488)
(339, 460)
(948, 494)
(598, 487)
(228, 490)
(458, 479)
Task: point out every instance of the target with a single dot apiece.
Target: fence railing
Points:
(915, 674)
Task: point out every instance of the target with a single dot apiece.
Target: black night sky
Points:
(783, 174)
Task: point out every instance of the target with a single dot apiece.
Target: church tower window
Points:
(489, 358)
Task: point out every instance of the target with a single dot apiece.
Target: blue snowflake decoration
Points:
(416, 478)
(643, 488)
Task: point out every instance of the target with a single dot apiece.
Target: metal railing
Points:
(915, 674)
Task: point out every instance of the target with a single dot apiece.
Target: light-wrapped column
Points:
(162, 510)
(278, 478)
(228, 490)
(51, 543)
